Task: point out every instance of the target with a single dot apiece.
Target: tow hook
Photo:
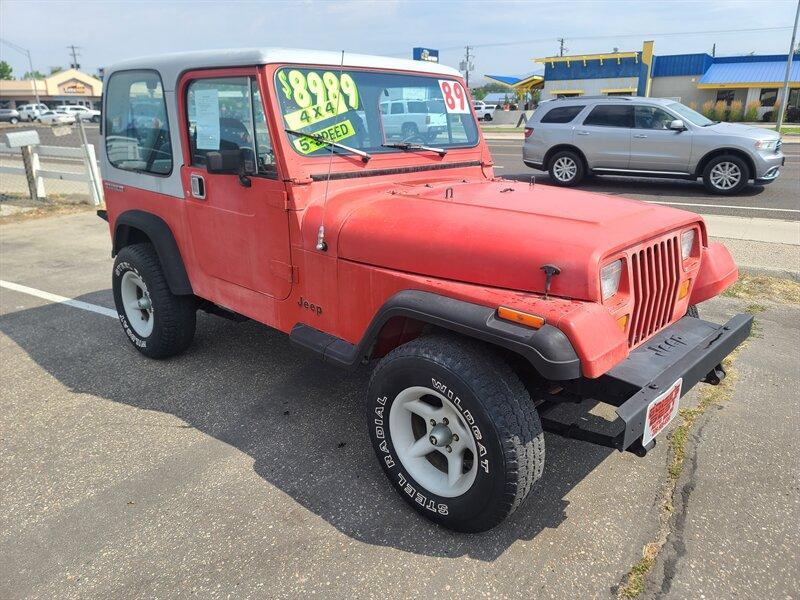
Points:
(715, 376)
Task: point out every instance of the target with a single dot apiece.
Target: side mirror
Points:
(224, 161)
(677, 125)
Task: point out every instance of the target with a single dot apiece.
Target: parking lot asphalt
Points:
(243, 468)
(778, 200)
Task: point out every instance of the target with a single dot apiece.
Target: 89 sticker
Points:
(455, 98)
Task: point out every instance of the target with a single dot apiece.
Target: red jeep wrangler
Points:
(266, 184)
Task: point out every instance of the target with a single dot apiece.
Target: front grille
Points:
(655, 275)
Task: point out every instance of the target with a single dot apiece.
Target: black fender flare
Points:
(160, 235)
(548, 349)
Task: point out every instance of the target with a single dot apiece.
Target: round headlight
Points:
(687, 243)
(609, 278)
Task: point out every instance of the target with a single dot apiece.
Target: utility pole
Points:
(785, 95)
(30, 66)
(466, 64)
(561, 47)
(74, 51)
(714, 49)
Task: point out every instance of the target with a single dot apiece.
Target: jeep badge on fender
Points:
(246, 182)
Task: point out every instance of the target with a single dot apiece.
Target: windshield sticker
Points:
(455, 98)
(206, 110)
(333, 133)
(318, 96)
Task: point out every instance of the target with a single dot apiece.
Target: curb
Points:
(756, 271)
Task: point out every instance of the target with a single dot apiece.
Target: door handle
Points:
(198, 185)
(583, 133)
(639, 135)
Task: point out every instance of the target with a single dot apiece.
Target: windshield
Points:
(368, 110)
(690, 115)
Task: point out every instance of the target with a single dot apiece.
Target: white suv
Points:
(484, 111)
(31, 112)
(80, 112)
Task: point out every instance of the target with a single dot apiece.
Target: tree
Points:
(5, 70)
(33, 75)
(54, 70)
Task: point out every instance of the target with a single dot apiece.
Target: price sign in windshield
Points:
(455, 98)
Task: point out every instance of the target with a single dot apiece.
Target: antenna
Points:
(322, 245)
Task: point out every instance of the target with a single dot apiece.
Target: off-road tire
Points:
(568, 157)
(509, 432)
(719, 160)
(693, 312)
(174, 316)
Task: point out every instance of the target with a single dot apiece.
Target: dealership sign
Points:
(426, 54)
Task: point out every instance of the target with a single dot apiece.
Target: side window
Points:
(610, 115)
(562, 114)
(397, 108)
(650, 117)
(136, 125)
(384, 107)
(227, 114)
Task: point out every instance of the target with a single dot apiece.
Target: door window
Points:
(397, 108)
(610, 115)
(651, 117)
(136, 124)
(227, 113)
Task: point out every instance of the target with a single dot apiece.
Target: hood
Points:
(499, 233)
(756, 133)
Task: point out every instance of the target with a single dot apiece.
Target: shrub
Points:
(737, 110)
(693, 105)
(751, 112)
(708, 109)
(720, 111)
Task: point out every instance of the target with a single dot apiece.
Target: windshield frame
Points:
(379, 151)
(690, 112)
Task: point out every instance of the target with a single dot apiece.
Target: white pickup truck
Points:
(413, 120)
(484, 111)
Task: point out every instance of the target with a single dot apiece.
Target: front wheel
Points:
(455, 431)
(566, 168)
(157, 322)
(725, 175)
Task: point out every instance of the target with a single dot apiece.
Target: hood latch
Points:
(549, 272)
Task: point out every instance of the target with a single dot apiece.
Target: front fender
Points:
(717, 273)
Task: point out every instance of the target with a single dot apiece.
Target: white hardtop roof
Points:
(172, 65)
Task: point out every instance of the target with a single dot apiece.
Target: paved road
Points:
(242, 469)
(779, 200)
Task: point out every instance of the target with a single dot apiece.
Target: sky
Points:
(107, 31)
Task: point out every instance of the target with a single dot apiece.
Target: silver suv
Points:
(647, 137)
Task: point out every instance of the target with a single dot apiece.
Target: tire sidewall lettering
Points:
(119, 270)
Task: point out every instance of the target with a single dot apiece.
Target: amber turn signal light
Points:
(622, 322)
(509, 314)
(683, 291)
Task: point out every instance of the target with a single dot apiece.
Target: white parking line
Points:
(100, 310)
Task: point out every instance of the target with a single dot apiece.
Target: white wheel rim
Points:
(445, 473)
(564, 168)
(137, 303)
(726, 175)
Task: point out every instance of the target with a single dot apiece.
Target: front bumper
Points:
(690, 349)
(768, 167)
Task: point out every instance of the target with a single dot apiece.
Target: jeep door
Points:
(605, 136)
(656, 147)
(239, 223)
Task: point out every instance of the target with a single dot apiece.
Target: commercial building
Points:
(65, 87)
(690, 78)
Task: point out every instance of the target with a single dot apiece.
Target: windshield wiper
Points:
(410, 146)
(318, 138)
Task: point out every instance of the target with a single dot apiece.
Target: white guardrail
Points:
(36, 175)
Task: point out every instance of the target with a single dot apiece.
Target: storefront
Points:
(65, 87)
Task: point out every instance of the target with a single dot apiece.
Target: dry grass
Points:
(30, 209)
(774, 289)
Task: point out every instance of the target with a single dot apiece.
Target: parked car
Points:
(56, 117)
(80, 112)
(9, 115)
(413, 120)
(30, 112)
(647, 137)
(484, 111)
(481, 304)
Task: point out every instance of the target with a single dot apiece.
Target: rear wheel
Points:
(14, 120)
(566, 168)
(409, 131)
(487, 117)
(455, 431)
(725, 175)
(157, 322)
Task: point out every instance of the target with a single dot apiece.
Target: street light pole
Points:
(785, 94)
(30, 66)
